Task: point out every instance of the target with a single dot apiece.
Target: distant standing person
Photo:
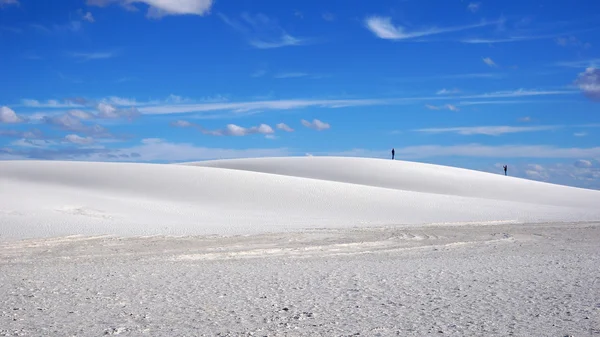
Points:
(505, 168)
(393, 154)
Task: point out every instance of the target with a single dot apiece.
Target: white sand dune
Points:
(339, 247)
(43, 198)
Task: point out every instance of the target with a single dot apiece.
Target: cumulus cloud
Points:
(160, 8)
(8, 116)
(229, 130)
(489, 62)
(316, 125)
(383, 28)
(284, 127)
(235, 130)
(589, 83)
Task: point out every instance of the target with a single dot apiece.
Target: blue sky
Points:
(475, 84)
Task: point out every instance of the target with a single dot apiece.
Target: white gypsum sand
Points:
(495, 280)
(293, 247)
(43, 198)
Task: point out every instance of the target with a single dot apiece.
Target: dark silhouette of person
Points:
(505, 168)
(393, 154)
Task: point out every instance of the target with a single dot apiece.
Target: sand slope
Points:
(418, 177)
(44, 198)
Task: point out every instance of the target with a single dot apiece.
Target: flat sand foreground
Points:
(492, 280)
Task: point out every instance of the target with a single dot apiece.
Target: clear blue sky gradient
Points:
(472, 84)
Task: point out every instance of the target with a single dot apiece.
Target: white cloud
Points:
(316, 124)
(160, 8)
(229, 130)
(32, 103)
(8, 116)
(88, 17)
(489, 130)
(121, 101)
(383, 28)
(262, 32)
(582, 163)
(111, 112)
(33, 143)
(182, 124)
(93, 56)
(81, 114)
(260, 105)
(284, 127)
(450, 107)
(590, 63)
(75, 139)
(489, 62)
(8, 2)
(448, 91)
(567, 41)
(474, 6)
(107, 111)
(290, 75)
(589, 83)
(525, 119)
(580, 134)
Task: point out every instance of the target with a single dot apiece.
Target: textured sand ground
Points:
(493, 280)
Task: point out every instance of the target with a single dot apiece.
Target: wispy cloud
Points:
(242, 107)
(448, 91)
(75, 139)
(316, 125)
(160, 8)
(450, 107)
(489, 62)
(48, 104)
(259, 73)
(489, 130)
(580, 63)
(290, 75)
(383, 28)
(328, 16)
(572, 41)
(4, 3)
(93, 56)
(580, 134)
(88, 17)
(474, 7)
(284, 127)
(262, 32)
